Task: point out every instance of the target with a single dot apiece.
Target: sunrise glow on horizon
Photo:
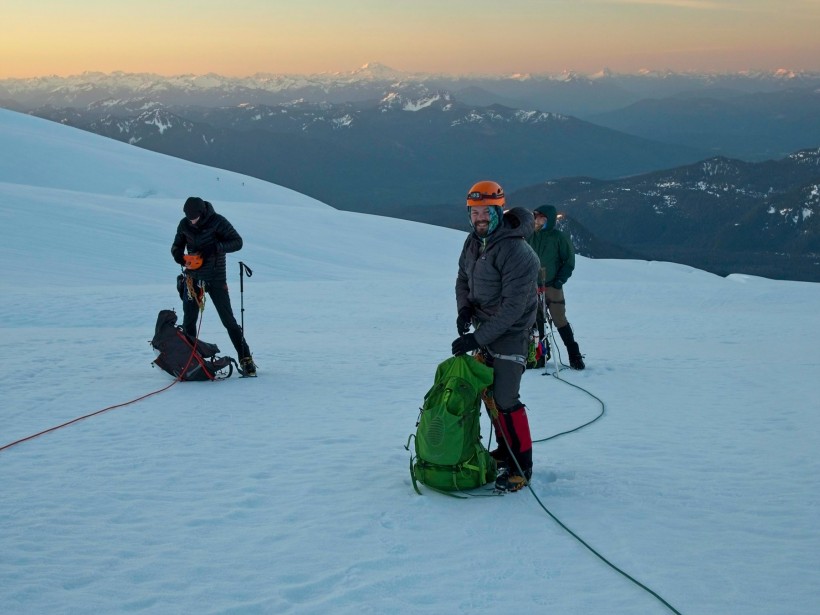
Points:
(246, 37)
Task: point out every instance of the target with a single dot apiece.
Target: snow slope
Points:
(290, 493)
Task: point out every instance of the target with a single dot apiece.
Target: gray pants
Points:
(509, 361)
(508, 371)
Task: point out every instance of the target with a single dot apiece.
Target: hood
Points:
(207, 212)
(520, 220)
(516, 222)
(552, 216)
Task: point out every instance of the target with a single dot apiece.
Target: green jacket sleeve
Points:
(567, 261)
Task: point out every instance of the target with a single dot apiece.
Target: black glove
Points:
(464, 320)
(178, 258)
(557, 284)
(464, 344)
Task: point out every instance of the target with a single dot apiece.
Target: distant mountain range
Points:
(567, 93)
(721, 215)
(407, 149)
(754, 126)
(624, 155)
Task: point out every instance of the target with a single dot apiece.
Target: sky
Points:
(290, 493)
(245, 37)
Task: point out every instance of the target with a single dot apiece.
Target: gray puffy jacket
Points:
(497, 278)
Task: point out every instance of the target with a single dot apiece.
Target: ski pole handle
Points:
(243, 268)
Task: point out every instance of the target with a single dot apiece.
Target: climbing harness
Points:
(515, 358)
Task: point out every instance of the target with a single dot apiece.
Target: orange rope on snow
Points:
(133, 401)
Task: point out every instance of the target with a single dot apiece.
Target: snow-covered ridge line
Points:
(369, 73)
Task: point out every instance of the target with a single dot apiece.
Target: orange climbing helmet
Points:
(485, 193)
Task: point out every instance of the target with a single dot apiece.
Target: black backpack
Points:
(174, 349)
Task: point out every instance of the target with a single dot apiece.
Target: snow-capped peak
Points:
(377, 71)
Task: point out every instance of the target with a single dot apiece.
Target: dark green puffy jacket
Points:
(554, 250)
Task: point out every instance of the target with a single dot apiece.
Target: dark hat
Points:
(194, 207)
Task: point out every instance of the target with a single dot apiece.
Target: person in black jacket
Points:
(496, 295)
(205, 233)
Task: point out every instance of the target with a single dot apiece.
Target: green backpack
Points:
(449, 453)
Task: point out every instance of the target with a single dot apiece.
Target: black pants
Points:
(222, 302)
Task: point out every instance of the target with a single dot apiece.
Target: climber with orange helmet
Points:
(496, 295)
(207, 237)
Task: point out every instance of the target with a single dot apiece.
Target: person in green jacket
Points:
(557, 256)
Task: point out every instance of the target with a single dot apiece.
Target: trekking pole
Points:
(542, 312)
(549, 335)
(243, 268)
(554, 350)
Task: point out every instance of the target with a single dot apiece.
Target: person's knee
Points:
(506, 399)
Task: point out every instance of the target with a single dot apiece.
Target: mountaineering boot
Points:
(510, 480)
(247, 367)
(576, 359)
(501, 456)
